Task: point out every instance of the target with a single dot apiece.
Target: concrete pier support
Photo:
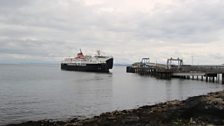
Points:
(206, 78)
(201, 78)
(218, 78)
(213, 79)
(222, 78)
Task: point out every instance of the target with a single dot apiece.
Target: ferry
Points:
(81, 62)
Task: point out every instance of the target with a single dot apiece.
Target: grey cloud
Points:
(7, 4)
(191, 22)
(56, 28)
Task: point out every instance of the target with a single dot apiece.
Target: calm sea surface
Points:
(33, 92)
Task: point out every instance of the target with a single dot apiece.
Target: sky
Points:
(46, 31)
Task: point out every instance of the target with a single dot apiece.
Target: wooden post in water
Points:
(222, 78)
(213, 79)
(206, 78)
(201, 78)
(217, 78)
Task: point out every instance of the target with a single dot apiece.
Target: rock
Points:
(130, 119)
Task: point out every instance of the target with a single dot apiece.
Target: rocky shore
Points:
(199, 110)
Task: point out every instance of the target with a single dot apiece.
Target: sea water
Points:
(36, 92)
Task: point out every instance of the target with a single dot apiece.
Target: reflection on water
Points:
(33, 92)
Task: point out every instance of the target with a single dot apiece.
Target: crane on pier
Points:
(170, 63)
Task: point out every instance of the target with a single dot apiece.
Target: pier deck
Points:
(213, 73)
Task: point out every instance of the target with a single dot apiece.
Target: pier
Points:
(208, 73)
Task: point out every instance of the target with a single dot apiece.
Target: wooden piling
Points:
(213, 79)
(222, 78)
(217, 78)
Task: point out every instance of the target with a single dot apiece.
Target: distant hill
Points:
(118, 64)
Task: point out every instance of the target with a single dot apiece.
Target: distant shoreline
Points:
(197, 110)
(58, 63)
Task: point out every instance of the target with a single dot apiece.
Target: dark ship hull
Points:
(89, 67)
